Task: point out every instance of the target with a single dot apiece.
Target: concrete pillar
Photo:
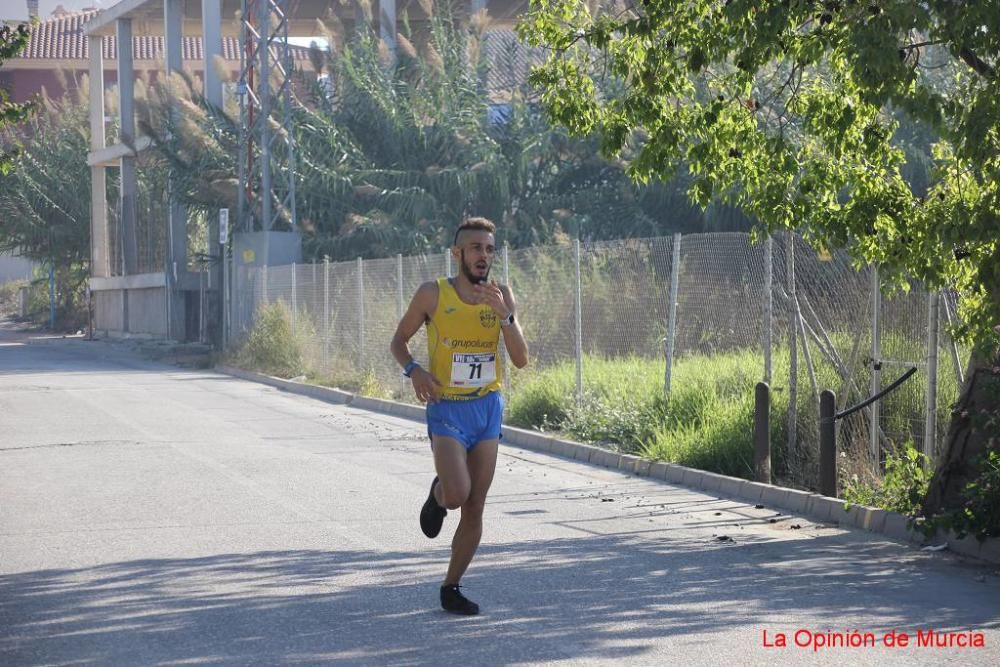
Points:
(99, 264)
(211, 29)
(176, 215)
(126, 107)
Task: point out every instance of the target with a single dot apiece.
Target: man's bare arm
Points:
(513, 337)
(421, 306)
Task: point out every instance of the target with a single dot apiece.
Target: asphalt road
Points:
(151, 515)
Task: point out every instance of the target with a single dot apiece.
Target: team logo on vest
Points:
(487, 318)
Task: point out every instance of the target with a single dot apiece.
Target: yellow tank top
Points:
(462, 344)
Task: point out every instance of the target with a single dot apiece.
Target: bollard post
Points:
(828, 444)
(762, 433)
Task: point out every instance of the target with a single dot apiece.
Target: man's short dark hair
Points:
(479, 224)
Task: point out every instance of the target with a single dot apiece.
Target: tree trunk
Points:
(969, 436)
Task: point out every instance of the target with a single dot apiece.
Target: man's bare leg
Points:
(481, 465)
(450, 462)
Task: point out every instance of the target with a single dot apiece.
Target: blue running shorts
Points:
(469, 421)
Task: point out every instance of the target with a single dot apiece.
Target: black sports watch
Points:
(507, 321)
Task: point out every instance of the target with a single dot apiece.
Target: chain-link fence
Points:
(810, 320)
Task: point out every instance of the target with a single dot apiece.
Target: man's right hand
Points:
(425, 385)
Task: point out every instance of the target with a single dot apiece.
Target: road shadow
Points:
(599, 598)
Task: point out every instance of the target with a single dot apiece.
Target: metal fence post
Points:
(828, 444)
(400, 297)
(227, 298)
(295, 296)
(768, 304)
(361, 314)
(579, 327)
(793, 348)
(876, 362)
(952, 347)
(447, 262)
(506, 355)
(675, 273)
(326, 311)
(762, 433)
(930, 423)
(201, 304)
(264, 292)
(52, 296)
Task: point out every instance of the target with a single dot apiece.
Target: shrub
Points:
(538, 405)
(903, 487)
(621, 425)
(540, 400)
(980, 513)
(370, 385)
(9, 292)
(273, 346)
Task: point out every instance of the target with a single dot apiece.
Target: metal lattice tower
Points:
(267, 153)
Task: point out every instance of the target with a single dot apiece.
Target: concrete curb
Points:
(801, 503)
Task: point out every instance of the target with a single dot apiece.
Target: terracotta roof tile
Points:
(62, 38)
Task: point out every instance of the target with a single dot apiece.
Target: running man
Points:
(464, 316)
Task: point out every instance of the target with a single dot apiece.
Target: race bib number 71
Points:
(473, 370)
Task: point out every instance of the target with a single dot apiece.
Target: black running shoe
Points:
(431, 514)
(454, 602)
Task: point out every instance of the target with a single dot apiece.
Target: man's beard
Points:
(468, 273)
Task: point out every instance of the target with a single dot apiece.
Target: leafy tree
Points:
(45, 195)
(13, 39)
(390, 155)
(790, 110)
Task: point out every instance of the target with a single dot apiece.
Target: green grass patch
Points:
(707, 423)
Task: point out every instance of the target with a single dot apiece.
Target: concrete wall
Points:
(147, 311)
(15, 268)
(108, 310)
